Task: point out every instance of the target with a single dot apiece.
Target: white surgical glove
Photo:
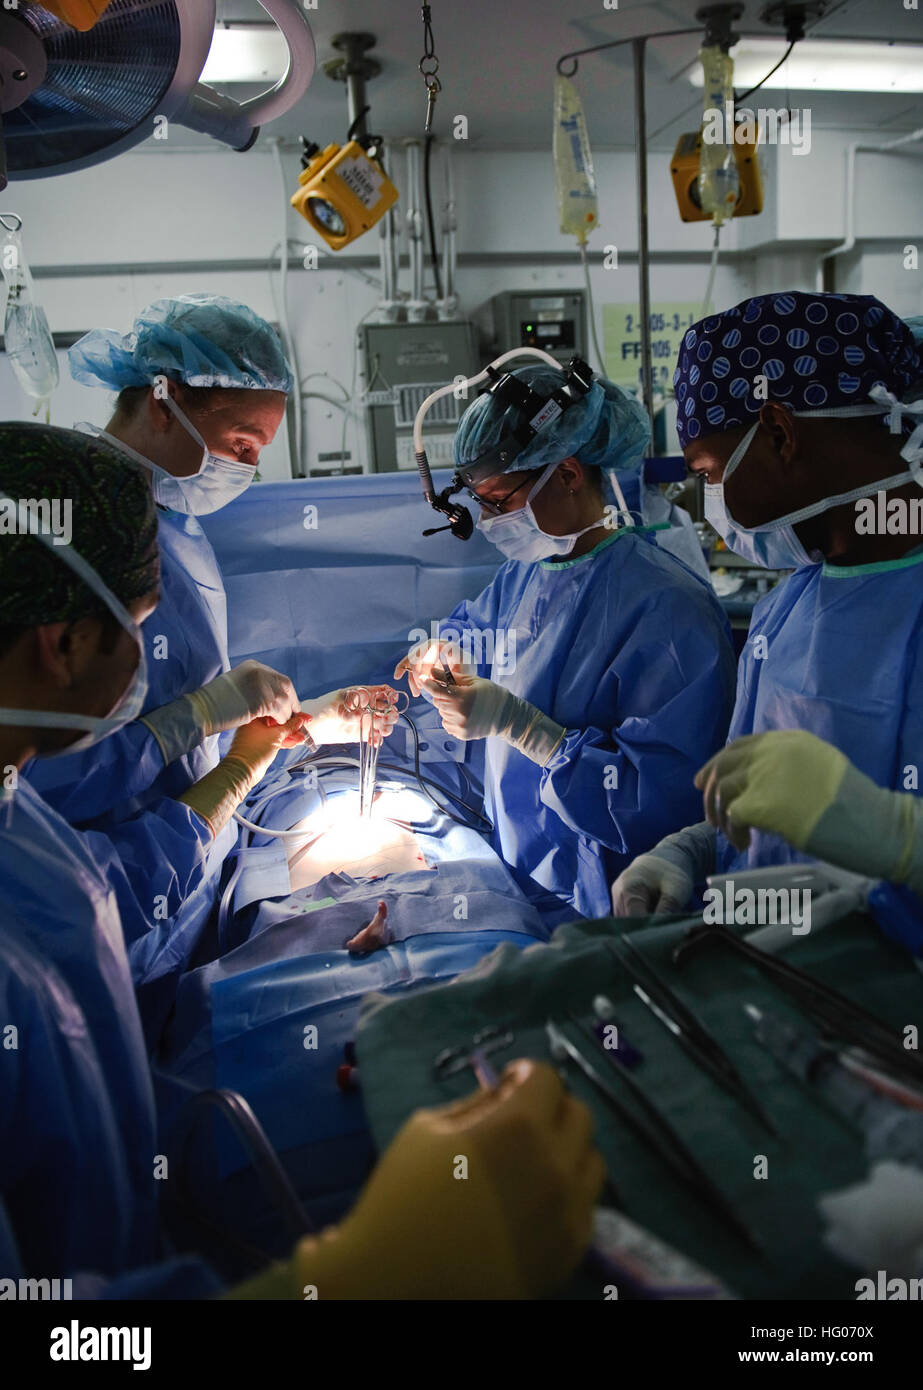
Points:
(878, 1223)
(330, 719)
(419, 662)
(664, 880)
(250, 691)
(472, 707)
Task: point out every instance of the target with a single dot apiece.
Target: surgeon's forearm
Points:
(872, 831)
(177, 727)
(219, 793)
(533, 733)
(692, 849)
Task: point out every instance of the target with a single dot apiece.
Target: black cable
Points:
(352, 129)
(485, 825)
(769, 73)
(429, 216)
(652, 135)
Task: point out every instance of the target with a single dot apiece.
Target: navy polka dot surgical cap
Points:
(808, 351)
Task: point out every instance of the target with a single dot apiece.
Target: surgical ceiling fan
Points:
(72, 97)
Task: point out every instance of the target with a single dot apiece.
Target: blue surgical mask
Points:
(776, 550)
(217, 482)
(131, 703)
(774, 545)
(519, 536)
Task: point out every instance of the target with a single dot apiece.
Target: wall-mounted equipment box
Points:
(553, 320)
(403, 363)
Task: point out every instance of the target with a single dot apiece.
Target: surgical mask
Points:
(519, 536)
(780, 549)
(130, 704)
(217, 482)
(774, 544)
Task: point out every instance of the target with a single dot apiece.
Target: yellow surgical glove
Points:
(781, 782)
(217, 795)
(793, 784)
(488, 1198)
(79, 14)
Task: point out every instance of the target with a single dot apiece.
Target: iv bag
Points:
(575, 181)
(719, 183)
(29, 345)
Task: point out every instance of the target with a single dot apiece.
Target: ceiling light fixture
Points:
(246, 53)
(826, 65)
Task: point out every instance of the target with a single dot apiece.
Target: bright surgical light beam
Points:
(825, 65)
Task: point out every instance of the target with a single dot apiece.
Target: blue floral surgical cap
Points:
(606, 429)
(815, 351)
(198, 339)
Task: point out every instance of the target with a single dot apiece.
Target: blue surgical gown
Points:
(158, 854)
(630, 652)
(836, 650)
(78, 1197)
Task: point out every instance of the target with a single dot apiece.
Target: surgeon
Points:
(78, 1196)
(203, 385)
(596, 667)
(802, 414)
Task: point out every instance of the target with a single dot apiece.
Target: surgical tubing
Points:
(419, 451)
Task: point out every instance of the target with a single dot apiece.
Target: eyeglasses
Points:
(497, 507)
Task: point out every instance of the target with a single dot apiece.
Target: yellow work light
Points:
(343, 192)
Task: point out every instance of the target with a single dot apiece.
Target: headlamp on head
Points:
(538, 412)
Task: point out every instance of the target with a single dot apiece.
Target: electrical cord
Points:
(477, 821)
(427, 192)
(591, 309)
(685, 112)
(768, 75)
(709, 288)
(287, 335)
(351, 133)
(483, 824)
(352, 391)
(329, 377)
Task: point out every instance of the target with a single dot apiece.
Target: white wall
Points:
(161, 207)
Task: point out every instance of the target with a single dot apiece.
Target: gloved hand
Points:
(217, 795)
(791, 783)
(419, 662)
(477, 708)
(514, 1227)
(250, 691)
(330, 719)
(665, 879)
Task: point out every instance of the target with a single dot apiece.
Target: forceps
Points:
(367, 703)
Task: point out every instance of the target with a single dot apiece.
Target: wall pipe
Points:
(824, 280)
